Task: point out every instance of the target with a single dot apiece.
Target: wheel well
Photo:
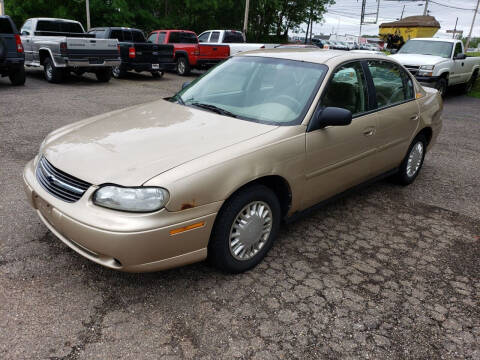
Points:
(278, 185)
(445, 76)
(427, 132)
(181, 55)
(43, 55)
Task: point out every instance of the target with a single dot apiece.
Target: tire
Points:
(221, 248)
(119, 72)
(51, 72)
(183, 66)
(104, 75)
(17, 76)
(157, 74)
(3, 50)
(412, 164)
(441, 86)
(469, 85)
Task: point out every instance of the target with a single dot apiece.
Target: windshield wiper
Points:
(214, 109)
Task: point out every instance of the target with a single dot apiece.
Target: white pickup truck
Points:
(439, 63)
(233, 38)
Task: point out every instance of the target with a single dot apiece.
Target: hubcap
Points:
(181, 67)
(250, 230)
(415, 159)
(116, 71)
(49, 71)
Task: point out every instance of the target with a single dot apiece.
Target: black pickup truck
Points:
(12, 56)
(136, 53)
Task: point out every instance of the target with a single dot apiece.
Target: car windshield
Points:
(260, 89)
(426, 47)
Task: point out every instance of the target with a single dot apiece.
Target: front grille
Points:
(413, 69)
(60, 184)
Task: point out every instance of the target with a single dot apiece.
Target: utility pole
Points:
(471, 27)
(401, 16)
(425, 10)
(2, 8)
(87, 4)
(245, 20)
(455, 29)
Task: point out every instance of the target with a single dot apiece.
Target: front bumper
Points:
(120, 240)
(428, 81)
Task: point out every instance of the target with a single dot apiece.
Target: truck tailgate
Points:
(214, 52)
(153, 53)
(96, 51)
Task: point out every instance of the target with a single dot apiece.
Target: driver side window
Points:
(347, 89)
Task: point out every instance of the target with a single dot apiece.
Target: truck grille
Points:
(413, 69)
(60, 184)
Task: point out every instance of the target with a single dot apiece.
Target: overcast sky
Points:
(344, 16)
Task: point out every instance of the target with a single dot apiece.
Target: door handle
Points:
(369, 131)
(214, 49)
(414, 117)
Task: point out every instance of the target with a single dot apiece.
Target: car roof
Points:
(318, 56)
(437, 39)
(54, 19)
(113, 28)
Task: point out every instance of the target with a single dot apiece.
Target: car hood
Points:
(417, 59)
(130, 146)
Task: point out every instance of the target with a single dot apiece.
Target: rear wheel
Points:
(413, 161)
(118, 71)
(469, 85)
(157, 74)
(104, 75)
(17, 76)
(245, 229)
(183, 67)
(52, 73)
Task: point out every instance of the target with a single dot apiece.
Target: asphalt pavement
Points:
(387, 273)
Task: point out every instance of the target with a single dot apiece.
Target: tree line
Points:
(268, 19)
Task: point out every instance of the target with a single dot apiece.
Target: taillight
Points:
(63, 48)
(118, 48)
(197, 51)
(131, 53)
(18, 41)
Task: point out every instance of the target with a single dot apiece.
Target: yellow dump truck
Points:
(396, 33)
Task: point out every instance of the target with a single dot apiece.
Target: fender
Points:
(51, 56)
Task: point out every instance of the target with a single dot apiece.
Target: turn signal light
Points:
(18, 42)
(131, 53)
(186, 228)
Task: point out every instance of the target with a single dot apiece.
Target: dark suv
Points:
(12, 57)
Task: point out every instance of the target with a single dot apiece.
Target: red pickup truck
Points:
(188, 53)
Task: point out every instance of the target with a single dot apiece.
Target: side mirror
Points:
(330, 116)
(185, 84)
(460, 56)
(25, 33)
(393, 51)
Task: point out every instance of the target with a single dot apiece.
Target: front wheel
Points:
(413, 161)
(245, 229)
(17, 76)
(442, 86)
(119, 72)
(157, 74)
(104, 75)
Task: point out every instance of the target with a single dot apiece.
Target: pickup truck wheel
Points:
(17, 76)
(183, 67)
(52, 73)
(118, 72)
(157, 74)
(413, 161)
(469, 85)
(245, 229)
(441, 86)
(104, 75)
(3, 50)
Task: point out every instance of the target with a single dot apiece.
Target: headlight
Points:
(426, 70)
(141, 199)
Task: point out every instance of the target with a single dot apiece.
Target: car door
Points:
(397, 113)
(339, 157)
(460, 74)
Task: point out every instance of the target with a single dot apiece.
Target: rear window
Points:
(5, 26)
(177, 37)
(59, 26)
(233, 37)
(138, 36)
(116, 34)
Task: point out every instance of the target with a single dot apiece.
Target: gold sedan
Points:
(212, 172)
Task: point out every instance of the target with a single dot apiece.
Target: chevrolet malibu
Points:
(213, 171)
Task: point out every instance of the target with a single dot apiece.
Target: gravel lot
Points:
(387, 273)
